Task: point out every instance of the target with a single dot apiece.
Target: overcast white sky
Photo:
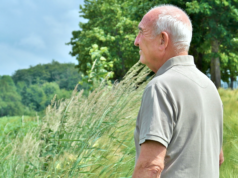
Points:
(35, 32)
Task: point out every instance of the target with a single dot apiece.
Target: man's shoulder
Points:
(164, 80)
(181, 77)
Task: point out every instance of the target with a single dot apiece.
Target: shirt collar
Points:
(186, 60)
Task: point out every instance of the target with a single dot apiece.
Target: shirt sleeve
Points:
(156, 116)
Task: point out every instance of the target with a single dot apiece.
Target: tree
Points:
(113, 23)
(10, 100)
(65, 75)
(69, 79)
(230, 68)
(50, 90)
(215, 31)
(34, 97)
(109, 26)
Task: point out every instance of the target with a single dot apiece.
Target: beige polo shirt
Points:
(181, 109)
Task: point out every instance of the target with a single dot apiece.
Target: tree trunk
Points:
(215, 65)
(232, 82)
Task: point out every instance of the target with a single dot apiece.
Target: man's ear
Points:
(164, 40)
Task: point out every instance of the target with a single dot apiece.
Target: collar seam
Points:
(168, 68)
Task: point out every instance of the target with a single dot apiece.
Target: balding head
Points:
(175, 22)
(164, 32)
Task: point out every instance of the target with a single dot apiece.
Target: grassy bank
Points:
(93, 137)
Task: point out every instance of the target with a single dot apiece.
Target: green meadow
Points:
(230, 133)
(93, 136)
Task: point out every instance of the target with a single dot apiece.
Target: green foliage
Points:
(20, 85)
(50, 90)
(34, 88)
(63, 94)
(230, 67)
(97, 72)
(113, 23)
(65, 75)
(215, 21)
(38, 97)
(33, 97)
(10, 100)
(109, 26)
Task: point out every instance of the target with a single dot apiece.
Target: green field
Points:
(230, 133)
(93, 137)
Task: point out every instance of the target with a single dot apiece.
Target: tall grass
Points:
(230, 133)
(82, 137)
(93, 136)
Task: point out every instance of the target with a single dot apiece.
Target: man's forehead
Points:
(153, 14)
(146, 21)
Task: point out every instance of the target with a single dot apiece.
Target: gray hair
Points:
(180, 32)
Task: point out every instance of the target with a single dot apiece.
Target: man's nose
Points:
(137, 40)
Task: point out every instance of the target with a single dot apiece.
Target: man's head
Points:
(165, 32)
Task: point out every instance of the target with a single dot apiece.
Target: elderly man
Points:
(179, 126)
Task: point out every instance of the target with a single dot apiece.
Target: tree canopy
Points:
(110, 27)
(214, 43)
(31, 90)
(10, 100)
(65, 75)
(112, 24)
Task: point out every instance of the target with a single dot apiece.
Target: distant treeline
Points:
(30, 90)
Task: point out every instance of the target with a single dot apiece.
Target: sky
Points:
(35, 32)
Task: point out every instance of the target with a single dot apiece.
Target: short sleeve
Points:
(156, 116)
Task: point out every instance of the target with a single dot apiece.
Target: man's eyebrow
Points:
(140, 28)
